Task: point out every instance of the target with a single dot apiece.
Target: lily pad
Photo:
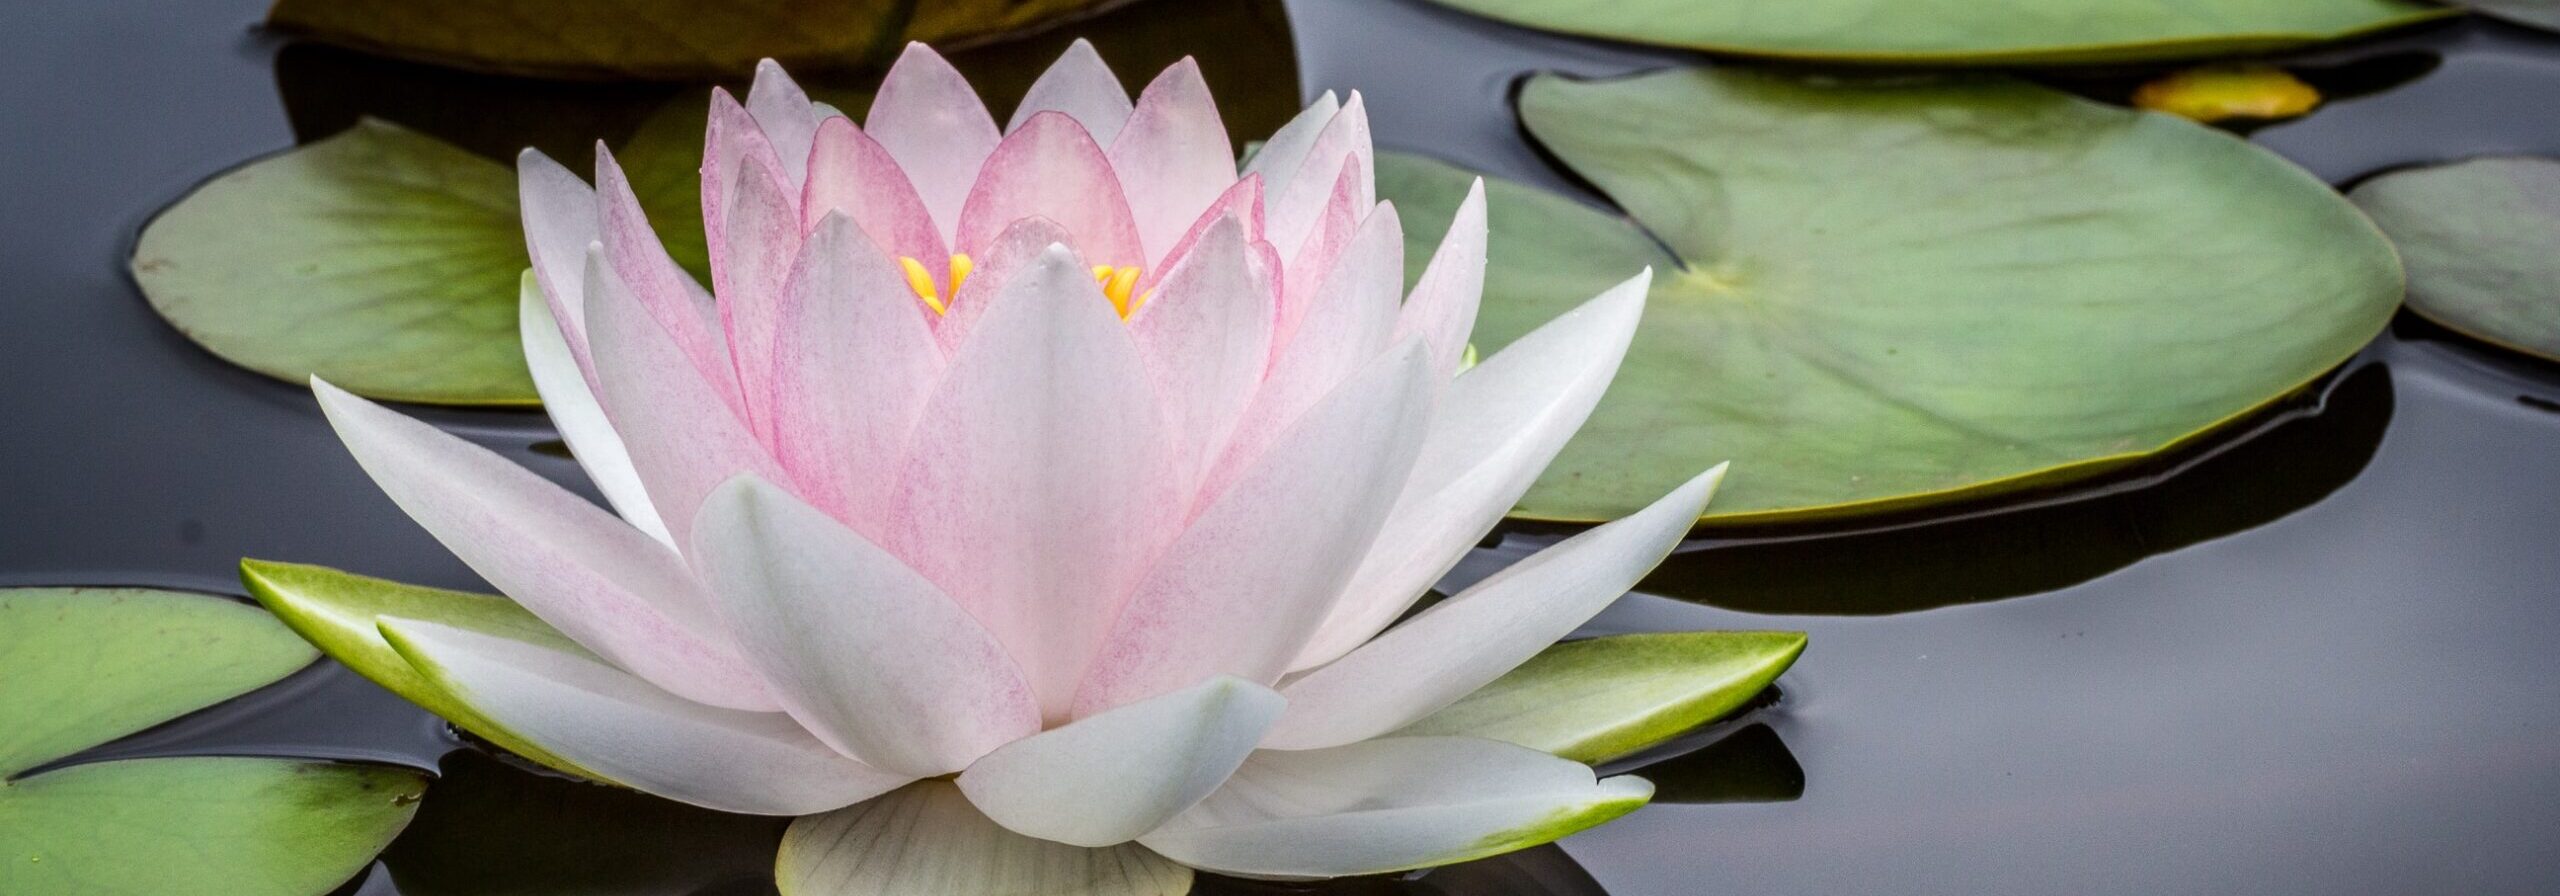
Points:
(1603, 698)
(2482, 241)
(380, 259)
(662, 39)
(80, 667)
(1879, 296)
(1984, 31)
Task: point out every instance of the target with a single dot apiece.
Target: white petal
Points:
(1442, 307)
(1242, 588)
(599, 581)
(1173, 158)
(926, 840)
(1081, 85)
(559, 225)
(1391, 804)
(875, 660)
(638, 735)
(574, 411)
(1503, 421)
(1467, 641)
(1279, 157)
(1108, 778)
(1296, 199)
(933, 123)
(1206, 335)
(854, 361)
(785, 114)
(683, 434)
(1034, 492)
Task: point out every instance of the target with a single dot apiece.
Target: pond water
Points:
(2313, 656)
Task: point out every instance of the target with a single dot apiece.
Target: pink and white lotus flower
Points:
(1032, 507)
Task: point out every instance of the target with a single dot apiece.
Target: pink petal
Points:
(1022, 243)
(1241, 589)
(1442, 307)
(851, 173)
(853, 364)
(569, 399)
(1173, 157)
(1352, 320)
(1081, 85)
(1050, 168)
(669, 295)
(559, 224)
(604, 584)
(1206, 337)
(785, 115)
(1322, 249)
(867, 654)
(683, 436)
(1297, 201)
(762, 239)
(932, 122)
(1242, 201)
(1034, 486)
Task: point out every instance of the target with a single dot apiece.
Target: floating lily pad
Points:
(1602, 698)
(663, 39)
(1985, 31)
(80, 667)
(2482, 241)
(380, 259)
(1877, 296)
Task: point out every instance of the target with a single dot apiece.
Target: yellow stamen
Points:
(921, 282)
(1122, 282)
(960, 268)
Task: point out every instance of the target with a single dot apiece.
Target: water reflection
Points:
(496, 828)
(2300, 454)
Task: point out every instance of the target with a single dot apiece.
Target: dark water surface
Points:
(2317, 659)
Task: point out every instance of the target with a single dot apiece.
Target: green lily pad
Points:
(1985, 31)
(1603, 698)
(379, 259)
(660, 39)
(2482, 241)
(1878, 296)
(80, 667)
(341, 611)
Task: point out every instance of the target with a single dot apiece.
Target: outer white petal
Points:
(559, 225)
(926, 840)
(1241, 589)
(783, 111)
(862, 650)
(640, 736)
(1081, 85)
(933, 123)
(1503, 421)
(1391, 804)
(1442, 307)
(1466, 642)
(599, 581)
(581, 421)
(1108, 778)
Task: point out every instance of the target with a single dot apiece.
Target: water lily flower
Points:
(1033, 508)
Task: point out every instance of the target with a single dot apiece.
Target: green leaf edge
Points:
(340, 613)
(2412, 301)
(2240, 44)
(1709, 701)
(408, 791)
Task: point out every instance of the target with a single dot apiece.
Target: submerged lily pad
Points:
(80, 667)
(1982, 31)
(380, 259)
(665, 39)
(2229, 92)
(1887, 295)
(2482, 241)
(1603, 698)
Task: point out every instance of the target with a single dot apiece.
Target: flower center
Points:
(1119, 284)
